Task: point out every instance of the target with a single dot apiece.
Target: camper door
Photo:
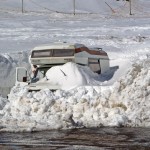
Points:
(21, 75)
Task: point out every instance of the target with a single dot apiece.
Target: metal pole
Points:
(74, 7)
(130, 7)
(22, 7)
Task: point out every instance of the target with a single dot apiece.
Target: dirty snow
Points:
(126, 103)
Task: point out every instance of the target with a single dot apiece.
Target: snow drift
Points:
(8, 64)
(71, 75)
(124, 104)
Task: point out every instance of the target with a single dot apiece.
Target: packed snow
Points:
(71, 75)
(119, 97)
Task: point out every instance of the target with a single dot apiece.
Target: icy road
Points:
(85, 139)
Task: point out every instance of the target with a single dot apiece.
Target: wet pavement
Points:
(78, 139)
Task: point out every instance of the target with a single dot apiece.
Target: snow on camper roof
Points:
(59, 46)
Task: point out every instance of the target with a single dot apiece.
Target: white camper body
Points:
(47, 56)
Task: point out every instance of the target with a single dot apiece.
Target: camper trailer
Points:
(47, 56)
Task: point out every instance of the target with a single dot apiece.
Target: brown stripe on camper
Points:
(91, 51)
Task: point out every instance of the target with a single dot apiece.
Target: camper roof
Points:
(59, 46)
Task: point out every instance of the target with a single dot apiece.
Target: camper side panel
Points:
(104, 63)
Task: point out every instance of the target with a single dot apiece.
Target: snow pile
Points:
(133, 93)
(8, 64)
(125, 104)
(71, 75)
(47, 110)
(3, 102)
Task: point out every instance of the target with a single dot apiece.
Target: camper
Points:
(46, 56)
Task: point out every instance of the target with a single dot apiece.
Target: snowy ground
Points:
(129, 37)
(125, 103)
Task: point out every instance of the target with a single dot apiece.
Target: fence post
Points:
(130, 7)
(74, 7)
(22, 7)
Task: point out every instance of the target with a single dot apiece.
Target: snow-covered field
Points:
(120, 97)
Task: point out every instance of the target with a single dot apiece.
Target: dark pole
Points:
(74, 7)
(22, 7)
(130, 7)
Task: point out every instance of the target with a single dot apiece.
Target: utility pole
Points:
(74, 7)
(22, 7)
(130, 7)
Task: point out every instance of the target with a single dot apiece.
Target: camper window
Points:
(43, 53)
(94, 65)
(63, 52)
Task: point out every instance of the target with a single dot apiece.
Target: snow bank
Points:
(71, 75)
(8, 64)
(133, 93)
(124, 104)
